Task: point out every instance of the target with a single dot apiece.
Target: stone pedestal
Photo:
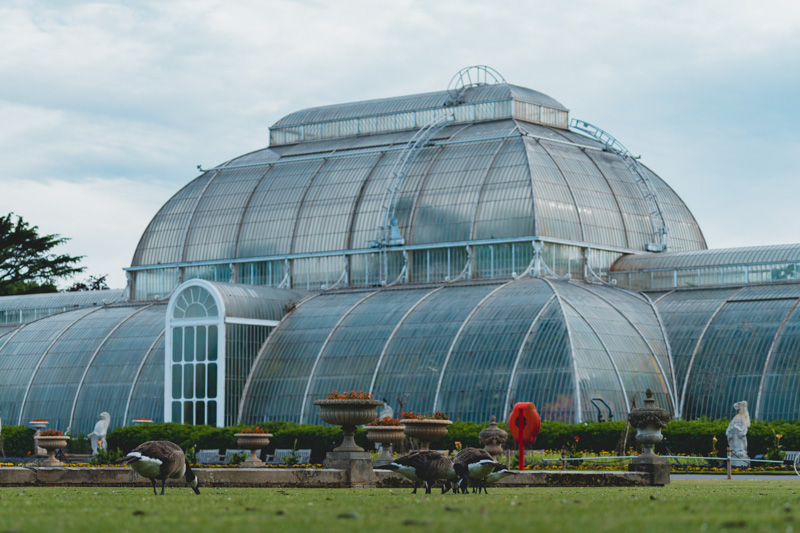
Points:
(656, 466)
(648, 421)
(356, 465)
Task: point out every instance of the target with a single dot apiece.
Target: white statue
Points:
(98, 436)
(386, 410)
(737, 435)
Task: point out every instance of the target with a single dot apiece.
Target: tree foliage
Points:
(91, 284)
(27, 264)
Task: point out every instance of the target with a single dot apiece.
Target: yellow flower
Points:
(779, 436)
(715, 438)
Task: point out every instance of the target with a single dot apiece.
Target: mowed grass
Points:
(713, 505)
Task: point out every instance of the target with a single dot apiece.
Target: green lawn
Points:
(682, 506)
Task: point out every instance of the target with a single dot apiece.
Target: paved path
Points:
(747, 477)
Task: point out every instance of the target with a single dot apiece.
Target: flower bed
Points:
(352, 395)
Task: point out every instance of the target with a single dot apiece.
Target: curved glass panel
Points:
(600, 213)
(414, 359)
(506, 207)
(556, 212)
(268, 222)
(606, 333)
(368, 216)
(644, 320)
(349, 359)
(147, 399)
(280, 375)
(215, 223)
(56, 382)
(477, 376)
(685, 315)
(446, 205)
(110, 377)
(545, 375)
(325, 215)
(780, 398)
(162, 241)
(21, 354)
(261, 303)
(731, 359)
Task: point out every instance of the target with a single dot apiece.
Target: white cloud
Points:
(107, 106)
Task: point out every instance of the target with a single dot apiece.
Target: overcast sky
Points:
(106, 108)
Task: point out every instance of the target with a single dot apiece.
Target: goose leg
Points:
(154, 487)
(428, 486)
(163, 484)
(416, 484)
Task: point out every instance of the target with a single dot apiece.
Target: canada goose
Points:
(473, 464)
(160, 459)
(424, 466)
(500, 471)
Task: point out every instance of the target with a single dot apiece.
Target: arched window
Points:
(194, 385)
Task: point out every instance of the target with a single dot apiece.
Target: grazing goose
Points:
(473, 464)
(500, 471)
(160, 459)
(424, 466)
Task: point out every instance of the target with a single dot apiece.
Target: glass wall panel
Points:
(269, 273)
(323, 221)
(365, 270)
(352, 353)
(732, 355)
(111, 375)
(780, 396)
(162, 241)
(20, 355)
(545, 373)
(281, 373)
(242, 344)
(215, 223)
(446, 206)
(476, 379)
(505, 208)
(154, 284)
(413, 360)
(209, 272)
(147, 396)
(55, 385)
(438, 264)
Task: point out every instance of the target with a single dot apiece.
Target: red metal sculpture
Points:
(524, 424)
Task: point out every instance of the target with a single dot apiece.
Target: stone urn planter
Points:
(649, 420)
(385, 436)
(252, 442)
(493, 438)
(425, 430)
(348, 414)
(51, 444)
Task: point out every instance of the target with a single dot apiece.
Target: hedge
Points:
(17, 440)
(681, 437)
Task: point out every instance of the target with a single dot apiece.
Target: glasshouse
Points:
(459, 250)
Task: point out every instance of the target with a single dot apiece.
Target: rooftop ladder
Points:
(388, 231)
(657, 222)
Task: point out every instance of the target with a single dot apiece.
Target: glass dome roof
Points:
(489, 176)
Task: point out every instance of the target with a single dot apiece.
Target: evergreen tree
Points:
(26, 263)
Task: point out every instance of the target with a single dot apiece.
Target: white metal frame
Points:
(171, 323)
